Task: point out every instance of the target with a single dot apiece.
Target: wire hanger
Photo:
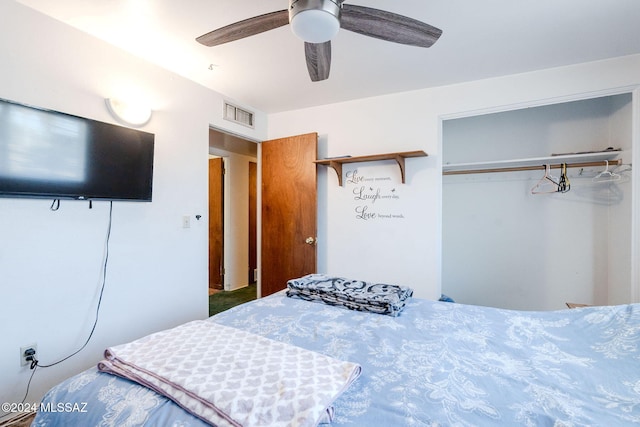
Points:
(606, 175)
(547, 184)
(564, 185)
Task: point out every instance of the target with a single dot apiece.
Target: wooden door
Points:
(289, 210)
(216, 223)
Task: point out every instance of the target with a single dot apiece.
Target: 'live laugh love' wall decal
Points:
(374, 197)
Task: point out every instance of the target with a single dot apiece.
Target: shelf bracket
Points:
(337, 166)
(400, 160)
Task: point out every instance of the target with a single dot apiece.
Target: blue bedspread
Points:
(437, 364)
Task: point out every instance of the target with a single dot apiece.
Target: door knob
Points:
(310, 241)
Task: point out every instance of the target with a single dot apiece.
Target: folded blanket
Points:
(353, 294)
(229, 377)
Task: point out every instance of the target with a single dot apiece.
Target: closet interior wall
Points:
(506, 247)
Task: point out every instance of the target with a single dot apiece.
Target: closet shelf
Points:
(337, 162)
(534, 163)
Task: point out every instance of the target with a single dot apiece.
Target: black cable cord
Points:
(34, 362)
(34, 366)
(104, 281)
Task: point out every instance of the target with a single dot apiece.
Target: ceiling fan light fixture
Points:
(314, 21)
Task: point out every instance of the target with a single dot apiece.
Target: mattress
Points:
(435, 364)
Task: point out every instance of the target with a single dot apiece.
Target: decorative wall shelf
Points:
(337, 162)
(598, 158)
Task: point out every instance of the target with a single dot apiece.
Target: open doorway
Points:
(287, 176)
(232, 228)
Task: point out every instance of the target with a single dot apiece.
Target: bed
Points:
(434, 364)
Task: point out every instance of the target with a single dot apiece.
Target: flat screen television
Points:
(53, 155)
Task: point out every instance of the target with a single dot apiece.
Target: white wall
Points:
(50, 262)
(620, 245)
(399, 250)
(409, 251)
(236, 217)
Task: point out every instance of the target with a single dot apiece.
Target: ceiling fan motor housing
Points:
(314, 21)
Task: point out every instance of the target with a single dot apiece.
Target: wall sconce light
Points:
(129, 113)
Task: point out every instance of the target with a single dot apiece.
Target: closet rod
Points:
(615, 162)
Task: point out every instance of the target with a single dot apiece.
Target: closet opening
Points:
(508, 241)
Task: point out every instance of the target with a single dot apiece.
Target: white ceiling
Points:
(481, 39)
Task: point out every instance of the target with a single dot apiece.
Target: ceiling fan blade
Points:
(388, 26)
(246, 28)
(318, 57)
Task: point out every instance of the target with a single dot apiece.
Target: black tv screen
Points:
(48, 154)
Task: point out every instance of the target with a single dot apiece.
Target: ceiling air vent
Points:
(238, 115)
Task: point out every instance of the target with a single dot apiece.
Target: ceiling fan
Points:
(318, 21)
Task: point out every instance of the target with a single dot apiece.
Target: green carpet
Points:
(224, 300)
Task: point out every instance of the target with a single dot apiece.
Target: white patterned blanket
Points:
(229, 377)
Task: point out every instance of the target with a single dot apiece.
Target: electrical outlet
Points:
(186, 221)
(25, 352)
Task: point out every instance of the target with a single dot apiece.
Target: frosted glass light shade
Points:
(315, 26)
(315, 21)
(130, 113)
